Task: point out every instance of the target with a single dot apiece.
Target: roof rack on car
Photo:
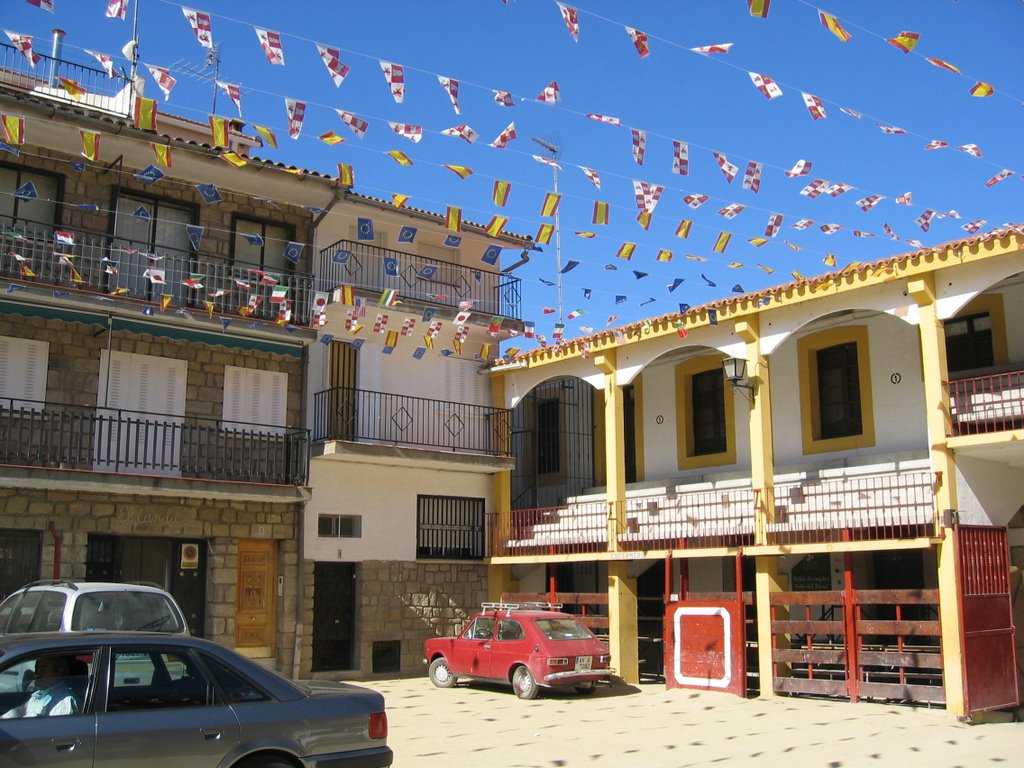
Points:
(51, 583)
(509, 607)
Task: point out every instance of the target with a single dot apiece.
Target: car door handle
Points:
(212, 734)
(487, 646)
(66, 746)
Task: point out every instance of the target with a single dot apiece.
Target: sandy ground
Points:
(649, 726)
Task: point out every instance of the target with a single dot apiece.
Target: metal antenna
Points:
(202, 72)
(553, 151)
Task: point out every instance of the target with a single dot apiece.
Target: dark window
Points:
(449, 527)
(153, 225)
(40, 212)
(143, 678)
(839, 391)
(510, 629)
(707, 394)
(481, 629)
(262, 244)
(237, 688)
(342, 526)
(969, 342)
(548, 438)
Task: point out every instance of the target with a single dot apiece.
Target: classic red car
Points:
(528, 645)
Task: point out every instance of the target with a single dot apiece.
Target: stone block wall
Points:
(405, 602)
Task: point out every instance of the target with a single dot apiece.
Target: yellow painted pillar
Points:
(767, 579)
(936, 399)
(622, 623)
(499, 577)
(622, 605)
(762, 480)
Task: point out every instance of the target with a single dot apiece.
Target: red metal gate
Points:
(705, 645)
(987, 634)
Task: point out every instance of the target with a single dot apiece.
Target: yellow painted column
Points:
(762, 480)
(622, 623)
(936, 399)
(622, 605)
(499, 577)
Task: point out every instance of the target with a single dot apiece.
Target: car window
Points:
(157, 679)
(563, 629)
(125, 610)
(236, 687)
(509, 629)
(481, 629)
(36, 611)
(46, 684)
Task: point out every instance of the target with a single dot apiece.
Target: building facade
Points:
(835, 487)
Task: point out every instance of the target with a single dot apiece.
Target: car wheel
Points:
(586, 689)
(523, 684)
(440, 674)
(266, 761)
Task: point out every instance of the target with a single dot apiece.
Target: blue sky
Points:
(708, 102)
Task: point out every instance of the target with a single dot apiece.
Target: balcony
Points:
(57, 436)
(870, 508)
(101, 91)
(362, 265)
(819, 511)
(699, 519)
(987, 404)
(122, 268)
(358, 415)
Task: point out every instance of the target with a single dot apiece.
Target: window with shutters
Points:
(23, 365)
(155, 251)
(140, 408)
(705, 414)
(255, 400)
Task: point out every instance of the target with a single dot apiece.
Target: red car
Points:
(531, 646)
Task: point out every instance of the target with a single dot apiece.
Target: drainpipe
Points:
(58, 44)
(58, 539)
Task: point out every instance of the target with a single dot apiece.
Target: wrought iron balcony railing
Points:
(878, 507)
(112, 440)
(362, 416)
(985, 404)
(78, 260)
(372, 268)
(99, 89)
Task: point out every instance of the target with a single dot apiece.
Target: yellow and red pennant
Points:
(759, 8)
(683, 230)
(234, 159)
(496, 226)
(14, 128)
(346, 174)
(982, 89)
(453, 219)
(163, 154)
(501, 191)
(831, 23)
(626, 251)
(601, 212)
(905, 41)
(267, 134)
(75, 91)
(664, 255)
(550, 205)
(400, 157)
(721, 242)
(399, 200)
(460, 170)
(145, 114)
(331, 138)
(544, 233)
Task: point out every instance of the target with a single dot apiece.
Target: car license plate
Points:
(584, 663)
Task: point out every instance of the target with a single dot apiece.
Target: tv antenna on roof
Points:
(202, 71)
(553, 151)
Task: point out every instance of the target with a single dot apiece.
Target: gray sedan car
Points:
(120, 700)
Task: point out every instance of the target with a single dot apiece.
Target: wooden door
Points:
(256, 597)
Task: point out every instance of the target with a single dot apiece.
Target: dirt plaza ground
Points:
(650, 726)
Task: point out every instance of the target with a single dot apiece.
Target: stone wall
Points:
(220, 523)
(405, 602)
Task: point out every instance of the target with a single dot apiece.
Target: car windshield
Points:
(563, 629)
(127, 611)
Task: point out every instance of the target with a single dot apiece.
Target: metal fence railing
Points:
(986, 404)
(56, 435)
(79, 260)
(373, 268)
(360, 415)
(98, 89)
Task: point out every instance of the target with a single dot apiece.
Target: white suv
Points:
(69, 606)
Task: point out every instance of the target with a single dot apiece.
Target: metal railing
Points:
(877, 507)
(986, 404)
(54, 435)
(880, 507)
(362, 416)
(369, 267)
(100, 90)
(119, 267)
